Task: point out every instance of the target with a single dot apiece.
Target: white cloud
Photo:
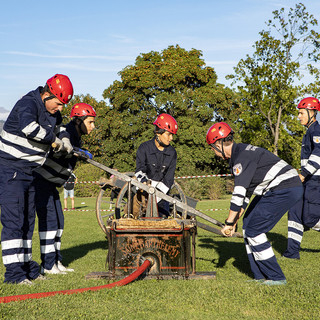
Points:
(65, 66)
(100, 57)
(122, 39)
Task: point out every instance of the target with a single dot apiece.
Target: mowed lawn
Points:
(229, 296)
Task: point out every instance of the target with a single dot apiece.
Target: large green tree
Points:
(174, 81)
(270, 81)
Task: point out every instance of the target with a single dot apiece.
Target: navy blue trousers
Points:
(51, 222)
(18, 218)
(305, 213)
(262, 215)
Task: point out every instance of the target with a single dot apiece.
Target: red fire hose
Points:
(134, 275)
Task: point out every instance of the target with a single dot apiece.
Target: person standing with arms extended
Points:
(156, 161)
(25, 141)
(276, 186)
(306, 213)
(54, 173)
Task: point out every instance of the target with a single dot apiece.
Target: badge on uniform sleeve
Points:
(237, 169)
(316, 139)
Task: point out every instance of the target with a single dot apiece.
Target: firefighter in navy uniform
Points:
(306, 213)
(156, 160)
(276, 186)
(25, 141)
(52, 174)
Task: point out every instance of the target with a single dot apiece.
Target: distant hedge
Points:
(87, 173)
(212, 188)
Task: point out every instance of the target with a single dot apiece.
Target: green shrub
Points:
(217, 188)
(87, 173)
(212, 188)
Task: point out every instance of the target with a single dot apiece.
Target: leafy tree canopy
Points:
(269, 82)
(174, 81)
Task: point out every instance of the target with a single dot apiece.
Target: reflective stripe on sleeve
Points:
(310, 168)
(162, 187)
(32, 127)
(238, 201)
(240, 190)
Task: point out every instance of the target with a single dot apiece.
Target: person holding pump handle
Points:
(276, 186)
(156, 163)
(25, 141)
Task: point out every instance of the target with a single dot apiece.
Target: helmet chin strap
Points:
(310, 118)
(218, 150)
(79, 125)
(160, 142)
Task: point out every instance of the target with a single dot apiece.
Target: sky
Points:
(91, 41)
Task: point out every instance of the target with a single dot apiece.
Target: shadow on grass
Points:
(309, 250)
(77, 208)
(82, 207)
(227, 250)
(278, 242)
(77, 252)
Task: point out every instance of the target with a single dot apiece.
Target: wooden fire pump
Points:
(170, 244)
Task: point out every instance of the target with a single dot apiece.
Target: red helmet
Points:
(218, 131)
(309, 103)
(61, 87)
(166, 122)
(82, 110)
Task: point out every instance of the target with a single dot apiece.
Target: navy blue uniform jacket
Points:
(257, 171)
(158, 166)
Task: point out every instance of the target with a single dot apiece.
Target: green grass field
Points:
(229, 296)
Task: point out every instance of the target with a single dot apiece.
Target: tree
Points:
(269, 81)
(174, 81)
